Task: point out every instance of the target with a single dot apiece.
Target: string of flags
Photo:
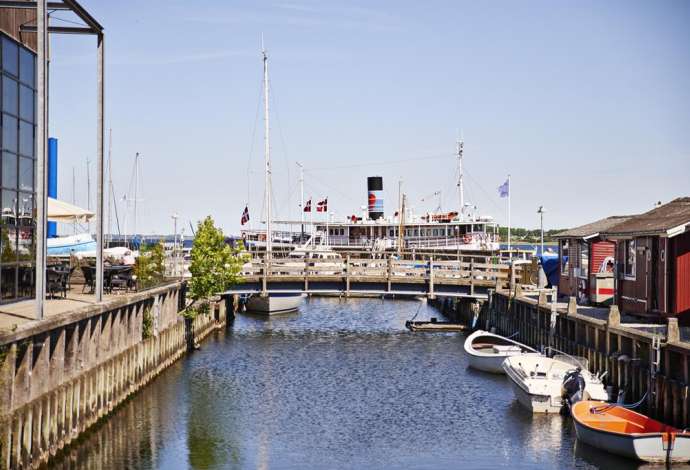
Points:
(321, 206)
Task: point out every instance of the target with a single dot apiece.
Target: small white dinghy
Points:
(487, 351)
(624, 432)
(538, 381)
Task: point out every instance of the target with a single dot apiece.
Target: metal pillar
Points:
(41, 134)
(99, 180)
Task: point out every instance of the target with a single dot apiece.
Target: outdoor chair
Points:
(121, 279)
(55, 282)
(89, 279)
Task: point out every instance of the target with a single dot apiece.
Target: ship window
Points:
(630, 259)
(416, 232)
(565, 261)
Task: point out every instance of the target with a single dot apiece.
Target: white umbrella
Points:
(61, 211)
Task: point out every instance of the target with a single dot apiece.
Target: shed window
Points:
(565, 258)
(584, 260)
(630, 259)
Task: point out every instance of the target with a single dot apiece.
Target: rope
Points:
(418, 309)
(600, 409)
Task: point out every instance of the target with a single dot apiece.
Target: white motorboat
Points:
(275, 303)
(487, 351)
(624, 432)
(538, 381)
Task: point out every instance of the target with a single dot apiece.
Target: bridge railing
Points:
(384, 269)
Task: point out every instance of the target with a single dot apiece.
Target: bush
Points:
(150, 266)
(215, 266)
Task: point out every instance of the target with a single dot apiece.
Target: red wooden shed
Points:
(653, 261)
(582, 254)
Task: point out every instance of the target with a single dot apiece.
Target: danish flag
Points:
(307, 206)
(322, 206)
(245, 215)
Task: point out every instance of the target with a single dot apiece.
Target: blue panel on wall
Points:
(52, 178)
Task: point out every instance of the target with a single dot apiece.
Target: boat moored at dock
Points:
(619, 430)
(487, 351)
(538, 381)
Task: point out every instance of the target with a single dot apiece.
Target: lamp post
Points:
(541, 211)
(175, 216)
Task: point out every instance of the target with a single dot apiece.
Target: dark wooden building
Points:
(653, 261)
(582, 253)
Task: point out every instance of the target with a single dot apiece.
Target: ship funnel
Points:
(375, 190)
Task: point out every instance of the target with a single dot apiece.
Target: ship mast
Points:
(267, 156)
(461, 186)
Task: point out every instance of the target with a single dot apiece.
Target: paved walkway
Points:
(14, 314)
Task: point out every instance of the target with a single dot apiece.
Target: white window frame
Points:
(626, 252)
(564, 266)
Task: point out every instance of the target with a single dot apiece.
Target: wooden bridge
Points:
(465, 277)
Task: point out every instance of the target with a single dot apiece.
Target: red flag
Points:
(307, 206)
(245, 215)
(322, 206)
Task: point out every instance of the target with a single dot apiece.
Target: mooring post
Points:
(472, 277)
(431, 277)
(264, 278)
(672, 331)
(347, 276)
(306, 273)
(389, 272)
(572, 305)
(512, 276)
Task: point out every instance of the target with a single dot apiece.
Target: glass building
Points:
(17, 170)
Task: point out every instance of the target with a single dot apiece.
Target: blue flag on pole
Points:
(503, 190)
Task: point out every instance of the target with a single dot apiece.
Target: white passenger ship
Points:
(463, 230)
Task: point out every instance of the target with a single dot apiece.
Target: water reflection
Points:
(339, 385)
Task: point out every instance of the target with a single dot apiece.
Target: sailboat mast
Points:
(267, 157)
(461, 185)
(110, 187)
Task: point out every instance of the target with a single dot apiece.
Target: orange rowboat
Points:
(624, 432)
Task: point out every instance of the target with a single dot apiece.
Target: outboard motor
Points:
(573, 387)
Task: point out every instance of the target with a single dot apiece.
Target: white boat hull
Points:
(542, 393)
(491, 359)
(274, 304)
(536, 403)
(648, 448)
(491, 364)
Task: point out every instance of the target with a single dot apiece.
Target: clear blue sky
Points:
(586, 104)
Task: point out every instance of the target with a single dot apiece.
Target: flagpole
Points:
(311, 219)
(510, 190)
(328, 241)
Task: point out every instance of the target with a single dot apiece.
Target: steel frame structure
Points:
(42, 28)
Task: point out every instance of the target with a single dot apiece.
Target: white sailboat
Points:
(270, 304)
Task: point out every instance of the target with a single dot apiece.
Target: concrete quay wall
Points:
(60, 376)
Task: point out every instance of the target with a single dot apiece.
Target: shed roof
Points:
(656, 221)
(593, 228)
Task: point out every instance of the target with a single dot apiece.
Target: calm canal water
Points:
(338, 385)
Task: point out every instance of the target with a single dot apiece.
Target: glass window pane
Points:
(25, 248)
(10, 56)
(8, 280)
(9, 133)
(26, 103)
(9, 207)
(26, 174)
(26, 139)
(26, 281)
(26, 209)
(9, 170)
(27, 67)
(10, 95)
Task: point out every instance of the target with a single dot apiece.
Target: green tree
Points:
(215, 265)
(150, 266)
